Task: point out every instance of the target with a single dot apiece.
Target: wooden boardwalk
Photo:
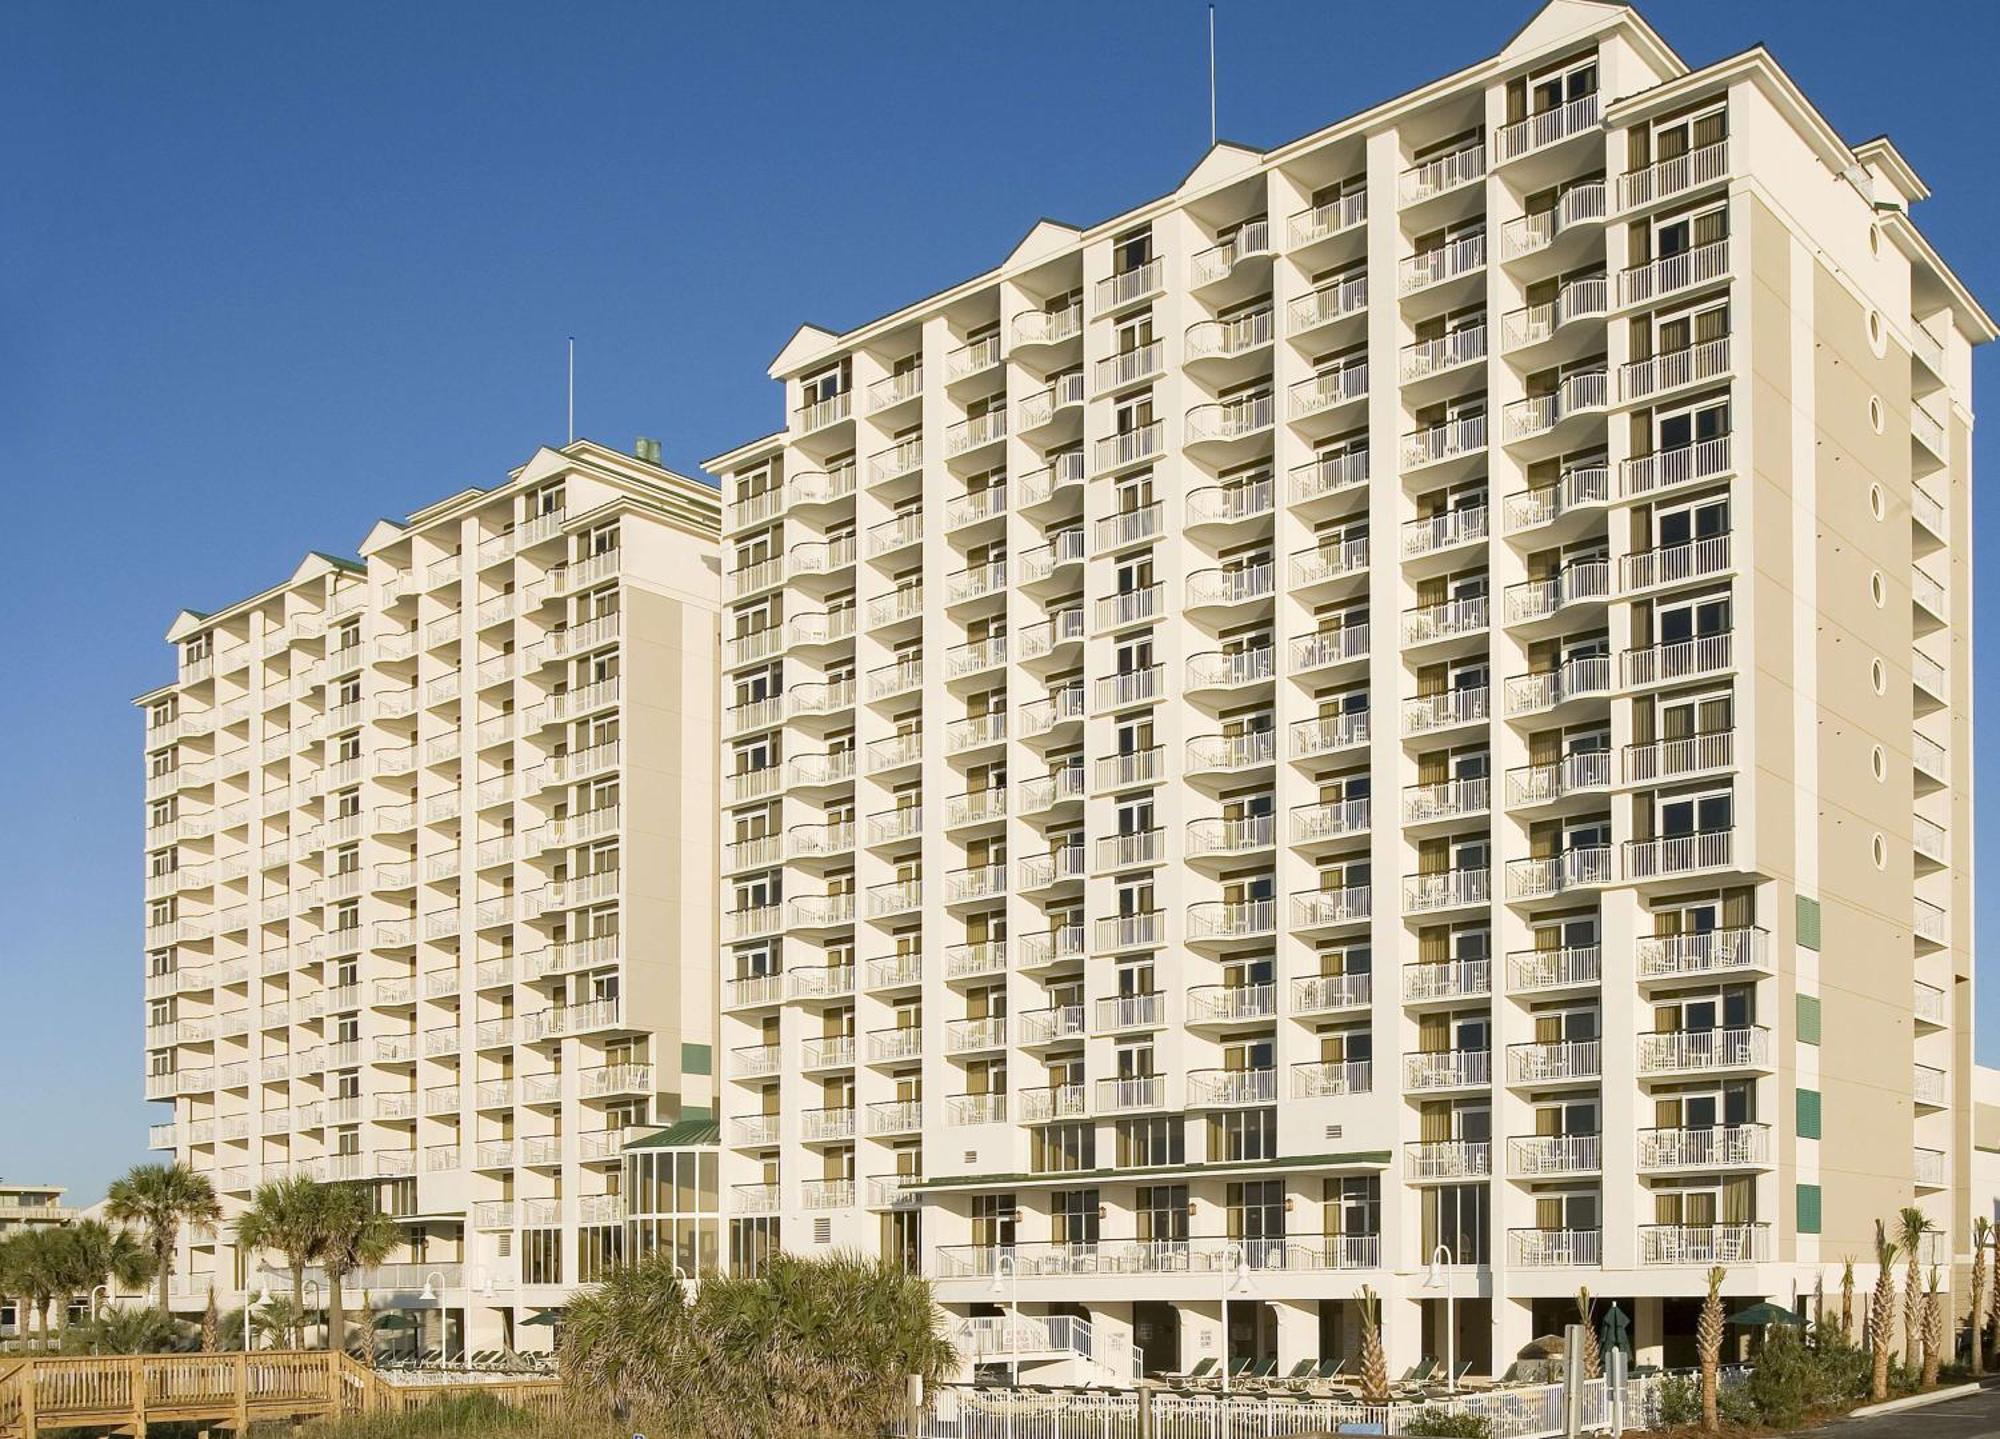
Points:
(120, 1394)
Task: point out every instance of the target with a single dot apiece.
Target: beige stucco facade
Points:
(431, 900)
(1412, 693)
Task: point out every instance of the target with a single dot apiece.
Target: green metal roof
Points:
(688, 1134)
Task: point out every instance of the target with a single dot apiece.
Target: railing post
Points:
(242, 1363)
(139, 1398)
(30, 1429)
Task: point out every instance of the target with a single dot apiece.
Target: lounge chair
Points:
(1201, 1372)
(1299, 1373)
(1324, 1375)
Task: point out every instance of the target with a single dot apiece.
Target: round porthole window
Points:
(1878, 676)
(1878, 761)
(1875, 413)
(1876, 340)
(1874, 239)
(1878, 848)
(1878, 503)
(1877, 590)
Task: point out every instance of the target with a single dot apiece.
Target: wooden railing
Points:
(114, 1391)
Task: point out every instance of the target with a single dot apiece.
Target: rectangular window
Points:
(1807, 923)
(1808, 1019)
(1808, 1114)
(1808, 1209)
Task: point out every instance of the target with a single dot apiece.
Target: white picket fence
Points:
(1527, 1412)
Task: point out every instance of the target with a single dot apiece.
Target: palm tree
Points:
(1847, 1297)
(31, 1271)
(629, 1339)
(1912, 1224)
(1882, 1314)
(1933, 1331)
(1593, 1356)
(1982, 1235)
(1374, 1364)
(211, 1324)
(287, 1216)
(1708, 1346)
(160, 1198)
(354, 1235)
(90, 1252)
(130, 1331)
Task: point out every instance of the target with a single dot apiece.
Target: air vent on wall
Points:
(1333, 1131)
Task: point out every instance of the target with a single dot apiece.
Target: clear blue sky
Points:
(270, 271)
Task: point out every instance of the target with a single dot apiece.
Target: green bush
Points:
(1680, 1401)
(1734, 1406)
(1448, 1424)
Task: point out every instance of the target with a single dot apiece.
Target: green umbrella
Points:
(1615, 1327)
(1757, 1316)
(395, 1319)
(544, 1316)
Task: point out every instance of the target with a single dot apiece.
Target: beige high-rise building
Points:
(1397, 715)
(430, 891)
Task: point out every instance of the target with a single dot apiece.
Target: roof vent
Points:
(648, 449)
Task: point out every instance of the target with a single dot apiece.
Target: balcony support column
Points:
(1513, 1329)
(1648, 1330)
(1298, 1331)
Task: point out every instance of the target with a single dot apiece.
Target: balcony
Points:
(1547, 127)
(1442, 174)
(1449, 440)
(1584, 392)
(1231, 1088)
(1046, 406)
(1130, 286)
(1731, 1146)
(1580, 773)
(1674, 176)
(1218, 262)
(1129, 931)
(1131, 1096)
(1447, 980)
(1671, 274)
(1231, 1003)
(1226, 921)
(1329, 820)
(1231, 669)
(827, 1125)
(1128, 367)
(1128, 448)
(961, 1110)
(1131, 1011)
(1555, 1248)
(1452, 619)
(1674, 369)
(1336, 473)
(1446, 799)
(1136, 526)
(1425, 358)
(1668, 469)
(1222, 754)
(1332, 1078)
(1448, 1069)
(1328, 389)
(1333, 301)
(1129, 851)
(1129, 688)
(1567, 968)
(1332, 908)
(1586, 487)
(1650, 859)
(1042, 1028)
(1558, 1061)
(1704, 1245)
(1323, 222)
(1572, 870)
(1677, 660)
(1229, 420)
(1331, 993)
(1051, 1102)
(1330, 734)
(975, 432)
(1543, 1156)
(1588, 297)
(1223, 339)
(1705, 1051)
(1429, 713)
(895, 1116)
(1441, 1159)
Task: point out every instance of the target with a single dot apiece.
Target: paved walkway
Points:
(1973, 1417)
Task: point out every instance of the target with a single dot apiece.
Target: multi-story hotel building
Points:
(430, 887)
(1397, 715)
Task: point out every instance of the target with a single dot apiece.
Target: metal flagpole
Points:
(572, 389)
(1211, 77)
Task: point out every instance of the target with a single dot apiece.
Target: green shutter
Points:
(1808, 1019)
(1808, 1209)
(1807, 923)
(695, 1059)
(1808, 1114)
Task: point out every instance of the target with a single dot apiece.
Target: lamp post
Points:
(434, 1294)
(105, 1290)
(262, 1300)
(318, 1298)
(1434, 1278)
(1005, 1268)
(1235, 1276)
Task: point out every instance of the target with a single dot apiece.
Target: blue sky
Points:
(268, 272)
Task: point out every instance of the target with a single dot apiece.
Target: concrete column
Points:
(1513, 1327)
(1111, 1330)
(1404, 1341)
(1298, 1331)
(1648, 1331)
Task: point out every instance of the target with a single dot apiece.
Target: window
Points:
(1151, 1143)
(1808, 1018)
(1455, 1216)
(1809, 1209)
(1243, 1136)
(1063, 1148)
(1808, 1114)
(541, 1256)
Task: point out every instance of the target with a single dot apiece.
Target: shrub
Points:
(1680, 1401)
(1785, 1382)
(1448, 1424)
(1735, 1407)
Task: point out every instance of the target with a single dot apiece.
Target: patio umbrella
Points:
(396, 1319)
(1612, 1333)
(1548, 1346)
(1759, 1316)
(550, 1317)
